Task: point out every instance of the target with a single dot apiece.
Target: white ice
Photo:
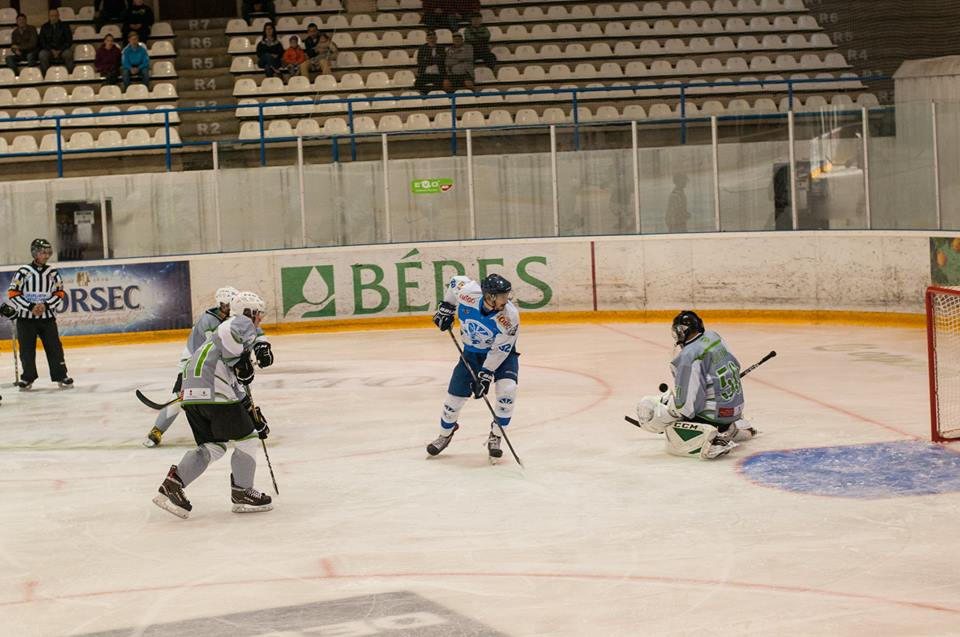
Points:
(601, 534)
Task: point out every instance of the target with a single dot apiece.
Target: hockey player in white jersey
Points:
(219, 411)
(489, 323)
(208, 323)
(702, 416)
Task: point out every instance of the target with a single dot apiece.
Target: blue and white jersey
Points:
(494, 333)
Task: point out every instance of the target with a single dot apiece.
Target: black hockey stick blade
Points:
(152, 405)
(632, 421)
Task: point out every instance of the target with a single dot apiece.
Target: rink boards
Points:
(807, 275)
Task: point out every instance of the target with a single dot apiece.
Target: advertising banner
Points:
(404, 281)
(133, 297)
(945, 260)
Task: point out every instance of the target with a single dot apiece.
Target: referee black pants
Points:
(28, 330)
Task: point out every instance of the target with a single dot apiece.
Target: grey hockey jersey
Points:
(209, 377)
(707, 381)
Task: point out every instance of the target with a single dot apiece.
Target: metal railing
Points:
(686, 91)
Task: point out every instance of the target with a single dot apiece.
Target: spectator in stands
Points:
(24, 45)
(136, 61)
(461, 11)
(459, 62)
(269, 51)
(478, 36)
(321, 52)
(265, 7)
(56, 43)
(677, 214)
(430, 64)
(293, 58)
(108, 12)
(139, 18)
(436, 15)
(108, 60)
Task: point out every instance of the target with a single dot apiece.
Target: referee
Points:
(36, 292)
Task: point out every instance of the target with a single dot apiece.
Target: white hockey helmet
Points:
(225, 295)
(247, 301)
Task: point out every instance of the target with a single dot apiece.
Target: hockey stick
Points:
(16, 356)
(473, 375)
(663, 386)
(266, 454)
(152, 405)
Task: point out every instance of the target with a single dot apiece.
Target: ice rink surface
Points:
(837, 520)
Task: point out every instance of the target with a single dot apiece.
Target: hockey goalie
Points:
(702, 416)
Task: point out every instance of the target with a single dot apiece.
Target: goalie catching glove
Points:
(264, 354)
(656, 413)
(444, 316)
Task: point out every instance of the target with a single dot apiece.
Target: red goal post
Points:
(943, 360)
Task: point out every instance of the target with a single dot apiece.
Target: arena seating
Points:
(33, 94)
(557, 46)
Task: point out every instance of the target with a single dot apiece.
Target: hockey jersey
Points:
(707, 381)
(209, 377)
(494, 332)
(208, 323)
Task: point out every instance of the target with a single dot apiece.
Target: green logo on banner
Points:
(308, 292)
(430, 186)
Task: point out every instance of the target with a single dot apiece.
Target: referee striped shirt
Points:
(33, 285)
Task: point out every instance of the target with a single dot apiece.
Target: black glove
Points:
(481, 386)
(444, 316)
(7, 311)
(264, 354)
(260, 423)
(244, 369)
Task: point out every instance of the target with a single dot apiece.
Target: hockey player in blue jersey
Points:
(489, 323)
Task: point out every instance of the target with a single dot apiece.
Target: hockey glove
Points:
(264, 354)
(444, 316)
(244, 369)
(481, 386)
(259, 422)
(7, 311)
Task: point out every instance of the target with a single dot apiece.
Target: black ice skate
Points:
(248, 500)
(171, 497)
(66, 383)
(438, 445)
(153, 438)
(493, 448)
(24, 385)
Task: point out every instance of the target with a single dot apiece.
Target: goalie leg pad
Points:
(695, 440)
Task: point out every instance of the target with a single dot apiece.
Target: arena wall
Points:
(807, 276)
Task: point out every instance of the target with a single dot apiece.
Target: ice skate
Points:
(153, 438)
(493, 448)
(248, 500)
(438, 445)
(171, 497)
(24, 385)
(66, 383)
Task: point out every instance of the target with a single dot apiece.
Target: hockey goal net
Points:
(943, 356)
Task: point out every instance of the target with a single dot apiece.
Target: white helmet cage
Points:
(247, 301)
(225, 295)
